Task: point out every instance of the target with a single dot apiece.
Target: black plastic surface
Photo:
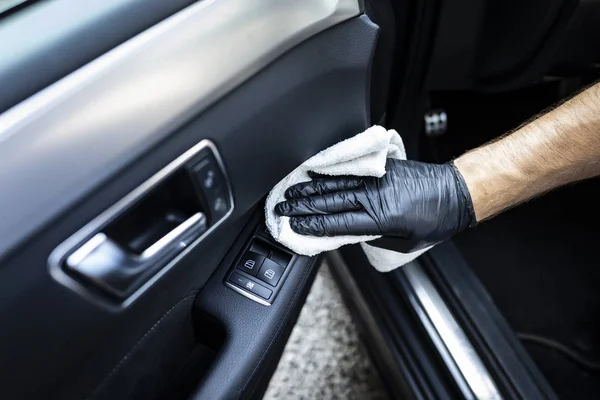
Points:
(579, 50)
(305, 101)
(211, 186)
(141, 224)
(262, 267)
(270, 272)
(495, 45)
(424, 375)
(511, 368)
(250, 262)
(256, 334)
(516, 44)
(250, 285)
(166, 356)
(381, 12)
(500, 348)
(416, 23)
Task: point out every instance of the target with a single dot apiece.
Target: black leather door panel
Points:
(56, 344)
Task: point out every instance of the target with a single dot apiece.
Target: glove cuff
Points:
(468, 218)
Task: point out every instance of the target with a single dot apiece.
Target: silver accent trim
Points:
(111, 267)
(456, 350)
(248, 294)
(178, 234)
(59, 144)
(86, 249)
(62, 252)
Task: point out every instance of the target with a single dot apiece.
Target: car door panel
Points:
(57, 37)
(187, 333)
(255, 335)
(98, 110)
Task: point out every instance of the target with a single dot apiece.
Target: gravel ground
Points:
(324, 358)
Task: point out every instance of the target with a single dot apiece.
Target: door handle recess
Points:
(119, 271)
(121, 253)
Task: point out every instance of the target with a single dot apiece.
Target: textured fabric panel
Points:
(324, 358)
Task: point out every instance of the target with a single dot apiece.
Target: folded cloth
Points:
(362, 155)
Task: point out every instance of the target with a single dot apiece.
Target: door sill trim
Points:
(453, 345)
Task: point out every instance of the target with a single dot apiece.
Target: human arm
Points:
(560, 147)
(417, 204)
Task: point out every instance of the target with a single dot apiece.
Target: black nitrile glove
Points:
(414, 205)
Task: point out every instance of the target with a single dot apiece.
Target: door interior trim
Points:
(67, 139)
(60, 254)
(453, 345)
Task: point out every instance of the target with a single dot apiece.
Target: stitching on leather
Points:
(189, 296)
(277, 331)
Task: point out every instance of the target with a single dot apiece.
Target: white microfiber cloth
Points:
(362, 155)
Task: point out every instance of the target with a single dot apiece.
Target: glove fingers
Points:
(320, 186)
(348, 223)
(326, 204)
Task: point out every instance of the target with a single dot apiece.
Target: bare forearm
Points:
(558, 148)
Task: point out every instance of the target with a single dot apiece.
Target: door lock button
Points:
(270, 272)
(250, 286)
(250, 263)
(218, 202)
(206, 174)
(213, 187)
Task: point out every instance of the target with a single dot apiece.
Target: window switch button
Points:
(270, 272)
(250, 263)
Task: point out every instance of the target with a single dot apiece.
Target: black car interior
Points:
(522, 286)
(148, 301)
(134, 259)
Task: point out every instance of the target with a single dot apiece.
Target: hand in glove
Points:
(414, 205)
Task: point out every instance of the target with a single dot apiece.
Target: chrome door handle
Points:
(119, 271)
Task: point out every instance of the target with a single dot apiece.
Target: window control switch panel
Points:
(260, 270)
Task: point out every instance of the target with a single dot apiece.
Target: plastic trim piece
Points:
(454, 347)
(375, 336)
(248, 294)
(65, 249)
(116, 270)
(62, 142)
(268, 242)
(513, 370)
